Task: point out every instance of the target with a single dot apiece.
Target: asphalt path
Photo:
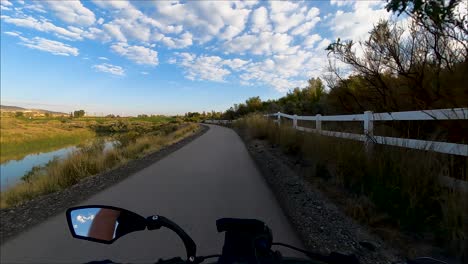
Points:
(209, 178)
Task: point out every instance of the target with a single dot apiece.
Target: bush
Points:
(401, 183)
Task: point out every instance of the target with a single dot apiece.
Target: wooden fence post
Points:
(318, 122)
(295, 121)
(369, 130)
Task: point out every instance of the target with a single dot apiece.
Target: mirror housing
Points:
(102, 223)
(109, 223)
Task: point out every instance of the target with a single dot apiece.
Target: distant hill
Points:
(11, 108)
(7, 108)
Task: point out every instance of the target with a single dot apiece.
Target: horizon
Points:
(141, 57)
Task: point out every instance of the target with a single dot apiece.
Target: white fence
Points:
(368, 119)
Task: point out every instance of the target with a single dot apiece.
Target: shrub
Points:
(400, 183)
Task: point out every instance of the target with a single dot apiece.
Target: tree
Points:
(19, 114)
(253, 104)
(401, 71)
(78, 113)
(438, 11)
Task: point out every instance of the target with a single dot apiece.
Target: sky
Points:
(82, 220)
(168, 57)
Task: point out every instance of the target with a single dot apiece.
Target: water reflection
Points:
(96, 223)
(12, 171)
(104, 224)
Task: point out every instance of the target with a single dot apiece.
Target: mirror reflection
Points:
(104, 224)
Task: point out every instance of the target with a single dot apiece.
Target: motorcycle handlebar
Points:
(156, 222)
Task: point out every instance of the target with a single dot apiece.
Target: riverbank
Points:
(92, 159)
(20, 137)
(23, 136)
(22, 217)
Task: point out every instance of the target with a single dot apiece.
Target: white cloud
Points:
(286, 15)
(109, 68)
(323, 44)
(83, 219)
(205, 19)
(235, 64)
(309, 41)
(212, 68)
(75, 226)
(35, 6)
(355, 25)
(138, 54)
(42, 25)
(96, 34)
(114, 31)
(5, 3)
(51, 46)
(305, 28)
(260, 20)
(72, 12)
(103, 58)
(184, 41)
(272, 43)
(12, 33)
(341, 2)
(265, 43)
(285, 72)
(282, 72)
(312, 18)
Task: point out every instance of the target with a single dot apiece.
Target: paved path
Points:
(211, 177)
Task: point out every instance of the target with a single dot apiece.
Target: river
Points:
(12, 171)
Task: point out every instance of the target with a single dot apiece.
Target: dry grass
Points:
(388, 188)
(88, 161)
(19, 137)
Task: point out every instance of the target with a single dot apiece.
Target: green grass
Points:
(391, 188)
(88, 161)
(22, 136)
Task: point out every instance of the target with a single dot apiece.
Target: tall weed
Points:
(402, 184)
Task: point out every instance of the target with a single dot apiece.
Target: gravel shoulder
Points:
(321, 225)
(20, 218)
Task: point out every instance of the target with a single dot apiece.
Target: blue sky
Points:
(167, 57)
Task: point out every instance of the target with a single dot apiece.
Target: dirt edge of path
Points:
(22, 217)
(321, 225)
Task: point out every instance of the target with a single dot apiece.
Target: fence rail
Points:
(368, 118)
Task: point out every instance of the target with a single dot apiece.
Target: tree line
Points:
(418, 66)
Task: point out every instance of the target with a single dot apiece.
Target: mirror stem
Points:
(156, 222)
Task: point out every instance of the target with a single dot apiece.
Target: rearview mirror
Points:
(103, 224)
